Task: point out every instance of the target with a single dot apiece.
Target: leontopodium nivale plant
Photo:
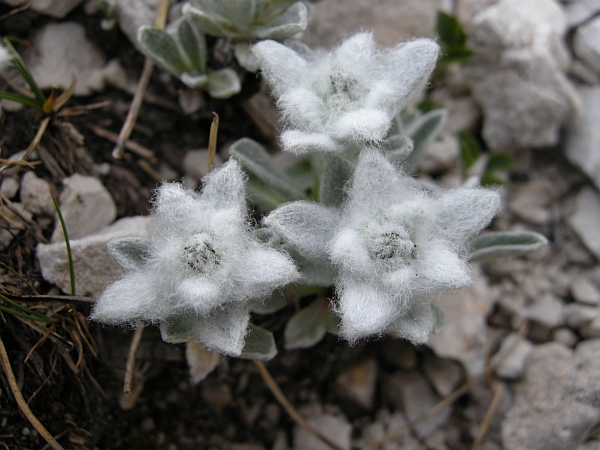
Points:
(202, 269)
(181, 50)
(347, 96)
(396, 246)
(248, 19)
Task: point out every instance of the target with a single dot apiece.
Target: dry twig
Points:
(130, 366)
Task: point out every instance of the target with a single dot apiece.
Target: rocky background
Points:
(522, 344)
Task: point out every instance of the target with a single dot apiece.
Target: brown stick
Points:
(212, 142)
(485, 424)
(129, 367)
(138, 98)
(14, 387)
(289, 408)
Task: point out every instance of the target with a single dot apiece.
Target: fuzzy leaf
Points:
(423, 131)
(506, 243)
(334, 178)
(274, 303)
(259, 344)
(256, 160)
(204, 23)
(160, 47)
(222, 83)
(193, 44)
(291, 22)
(130, 252)
(178, 329)
(302, 175)
(307, 326)
(262, 194)
(332, 325)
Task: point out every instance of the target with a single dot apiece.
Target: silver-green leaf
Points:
(259, 344)
(497, 244)
(307, 326)
(129, 252)
(423, 130)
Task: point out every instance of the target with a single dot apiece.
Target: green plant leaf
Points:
(307, 326)
(334, 177)
(25, 73)
(259, 344)
(497, 244)
(291, 22)
(206, 24)
(469, 149)
(193, 45)
(423, 130)
(21, 99)
(160, 47)
(274, 303)
(222, 83)
(449, 30)
(178, 329)
(499, 161)
(301, 174)
(260, 194)
(130, 252)
(332, 325)
(256, 160)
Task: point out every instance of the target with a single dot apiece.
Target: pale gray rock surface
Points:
(9, 186)
(586, 220)
(557, 402)
(531, 201)
(443, 374)
(519, 77)
(411, 392)
(36, 195)
(335, 428)
(582, 135)
(358, 383)
(60, 53)
(94, 267)
(53, 8)
(86, 206)
(586, 44)
(579, 11)
(584, 291)
(462, 337)
(391, 21)
(509, 361)
(132, 14)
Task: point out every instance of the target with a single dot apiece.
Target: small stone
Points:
(335, 428)
(443, 374)
(13, 219)
(86, 206)
(36, 194)
(578, 11)
(512, 356)
(565, 336)
(591, 329)
(358, 383)
(9, 187)
(195, 163)
(411, 392)
(200, 360)
(546, 310)
(585, 292)
(577, 315)
(94, 267)
(60, 53)
(586, 218)
(586, 44)
(531, 202)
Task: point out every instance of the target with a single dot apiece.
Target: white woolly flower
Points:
(396, 246)
(201, 269)
(5, 58)
(348, 95)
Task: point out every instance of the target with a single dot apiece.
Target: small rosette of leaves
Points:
(248, 19)
(181, 50)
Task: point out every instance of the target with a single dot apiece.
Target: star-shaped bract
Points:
(200, 271)
(348, 95)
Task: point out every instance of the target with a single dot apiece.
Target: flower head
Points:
(396, 246)
(349, 95)
(201, 269)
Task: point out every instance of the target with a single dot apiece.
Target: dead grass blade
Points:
(21, 401)
(130, 366)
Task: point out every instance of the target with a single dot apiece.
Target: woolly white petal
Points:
(306, 226)
(200, 293)
(300, 143)
(225, 187)
(363, 125)
(129, 300)
(408, 66)
(347, 250)
(356, 51)
(303, 108)
(440, 268)
(224, 330)
(365, 310)
(461, 213)
(280, 65)
(417, 324)
(263, 270)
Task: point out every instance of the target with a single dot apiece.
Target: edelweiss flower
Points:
(201, 269)
(348, 95)
(396, 246)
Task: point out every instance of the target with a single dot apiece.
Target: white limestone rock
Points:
(585, 222)
(61, 52)
(36, 194)
(94, 267)
(53, 8)
(86, 206)
(579, 11)
(443, 374)
(584, 291)
(582, 135)
(518, 77)
(9, 186)
(586, 44)
(510, 359)
(392, 21)
(335, 428)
